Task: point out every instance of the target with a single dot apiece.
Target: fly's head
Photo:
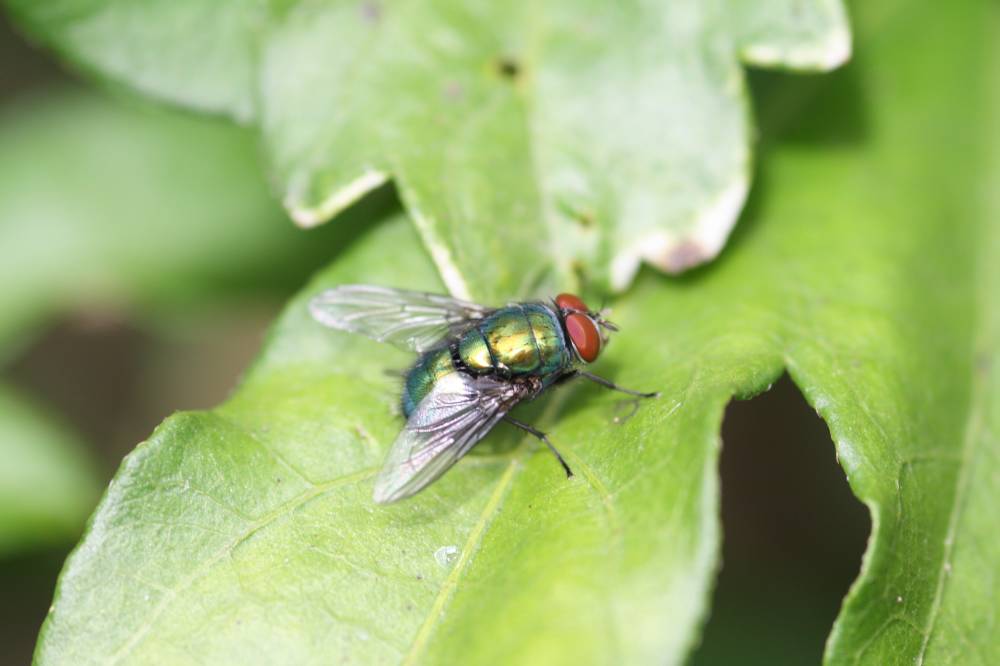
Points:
(586, 329)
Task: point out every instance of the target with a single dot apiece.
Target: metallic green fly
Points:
(476, 364)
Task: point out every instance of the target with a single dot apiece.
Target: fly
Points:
(476, 364)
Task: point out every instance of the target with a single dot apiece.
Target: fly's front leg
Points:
(611, 385)
(633, 403)
(531, 430)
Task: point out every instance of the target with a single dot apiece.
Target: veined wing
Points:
(457, 413)
(409, 319)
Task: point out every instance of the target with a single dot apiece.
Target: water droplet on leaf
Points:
(445, 555)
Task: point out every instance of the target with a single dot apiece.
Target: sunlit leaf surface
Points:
(585, 136)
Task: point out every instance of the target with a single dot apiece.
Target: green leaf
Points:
(866, 268)
(490, 117)
(200, 54)
(47, 484)
(106, 205)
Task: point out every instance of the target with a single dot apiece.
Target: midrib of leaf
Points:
(468, 550)
(494, 505)
(970, 450)
(613, 526)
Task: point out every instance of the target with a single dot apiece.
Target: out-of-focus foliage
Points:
(867, 268)
(47, 484)
(589, 135)
(111, 205)
(108, 206)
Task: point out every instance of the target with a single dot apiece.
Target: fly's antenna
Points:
(601, 313)
(610, 325)
(605, 327)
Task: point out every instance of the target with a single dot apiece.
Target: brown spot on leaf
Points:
(371, 11)
(684, 256)
(453, 91)
(584, 218)
(984, 363)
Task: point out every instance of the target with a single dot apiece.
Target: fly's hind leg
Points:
(531, 430)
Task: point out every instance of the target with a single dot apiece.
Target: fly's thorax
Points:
(427, 371)
(524, 339)
(553, 353)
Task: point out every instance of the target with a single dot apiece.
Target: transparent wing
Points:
(457, 413)
(408, 319)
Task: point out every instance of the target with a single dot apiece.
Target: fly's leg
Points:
(633, 403)
(531, 430)
(611, 385)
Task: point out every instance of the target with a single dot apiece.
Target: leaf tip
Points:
(829, 52)
(309, 216)
(837, 49)
(450, 272)
(675, 254)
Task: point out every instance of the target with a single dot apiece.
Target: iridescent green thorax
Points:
(523, 339)
(517, 340)
(547, 330)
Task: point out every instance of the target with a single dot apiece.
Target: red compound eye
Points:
(584, 335)
(571, 302)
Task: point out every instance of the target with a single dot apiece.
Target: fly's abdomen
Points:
(474, 353)
(421, 378)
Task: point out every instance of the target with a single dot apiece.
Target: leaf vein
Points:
(471, 544)
(973, 434)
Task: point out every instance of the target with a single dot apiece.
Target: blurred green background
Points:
(137, 331)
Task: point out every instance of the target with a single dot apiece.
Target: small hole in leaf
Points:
(508, 68)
